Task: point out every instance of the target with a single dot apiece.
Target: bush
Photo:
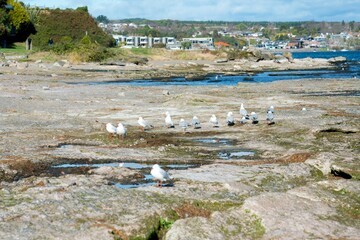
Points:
(73, 24)
(92, 52)
(63, 46)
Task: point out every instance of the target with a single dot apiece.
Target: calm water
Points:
(349, 69)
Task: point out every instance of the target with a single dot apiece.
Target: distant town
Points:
(214, 36)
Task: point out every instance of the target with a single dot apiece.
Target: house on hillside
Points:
(219, 45)
(200, 43)
(142, 41)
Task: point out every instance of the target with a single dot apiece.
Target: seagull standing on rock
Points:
(183, 124)
(230, 119)
(272, 109)
(121, 130)
(254, 118)
(243, 120)
(111, 129)
(214, 121)
(144, 124)
(270, 117)
(243, 111)
(159, 175)
(168, 121)
(196, 122)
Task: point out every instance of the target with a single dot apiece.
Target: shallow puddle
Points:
(131, 165)
(147, 180)
(235, 154)
(215, 141)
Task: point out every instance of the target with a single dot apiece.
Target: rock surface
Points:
(300, 181)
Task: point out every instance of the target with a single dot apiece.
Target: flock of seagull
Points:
(121, 131)
(160, 174)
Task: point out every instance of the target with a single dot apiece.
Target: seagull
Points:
(214, 121)
(243, 120)
(196, 122)
(183, 124)
(243, 111)
(111, 129)
(270, 117)
(159, 174)
(271, 108)
(217, 77)
(144, 124)
(121, 130)
(168, 122)
(230, 119)
(254, 118)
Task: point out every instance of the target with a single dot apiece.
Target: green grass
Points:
(141, 51)
(16, 48)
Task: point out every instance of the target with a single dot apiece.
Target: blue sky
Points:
(225, 10)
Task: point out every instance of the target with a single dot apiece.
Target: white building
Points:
(142, 41)
(200, 43)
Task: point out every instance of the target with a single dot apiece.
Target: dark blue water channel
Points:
(348, 69)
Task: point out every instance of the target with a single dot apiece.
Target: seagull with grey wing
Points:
(111, 129)
(159, 174)
(243, 120)
(121, 130)
(183, 124)
(144, 124)
(254, 118)
(196, 122)
(168, 121)
(270, 117)
(271, 108)
(230, 119)
(214, 121)
(243, 111)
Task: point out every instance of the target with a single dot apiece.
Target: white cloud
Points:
(226, 10)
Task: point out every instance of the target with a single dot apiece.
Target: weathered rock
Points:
(222, 60)
(337, 59)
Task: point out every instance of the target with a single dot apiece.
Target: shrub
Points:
(57, 24)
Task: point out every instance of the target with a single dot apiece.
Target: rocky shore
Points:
(300, 179)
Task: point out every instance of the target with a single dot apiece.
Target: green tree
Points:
(351, 25)
(3, 23)
(186, 45)
(241, 27)
(19, 21)
(102, 19)
(83, 9)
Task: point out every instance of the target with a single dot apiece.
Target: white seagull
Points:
(183, 124)
(254, 118)
(243, 111)
(214, 121)
(111, 129)
(270, 117)
(159, 174)
(168, 122)
(144, 124)
(230, 119)
(121, 130)
(272, 109)
(196, 122)
(243, 120)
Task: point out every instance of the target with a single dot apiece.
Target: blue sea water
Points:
(349, 69)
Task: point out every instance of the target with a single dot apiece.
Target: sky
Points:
(216, 10)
